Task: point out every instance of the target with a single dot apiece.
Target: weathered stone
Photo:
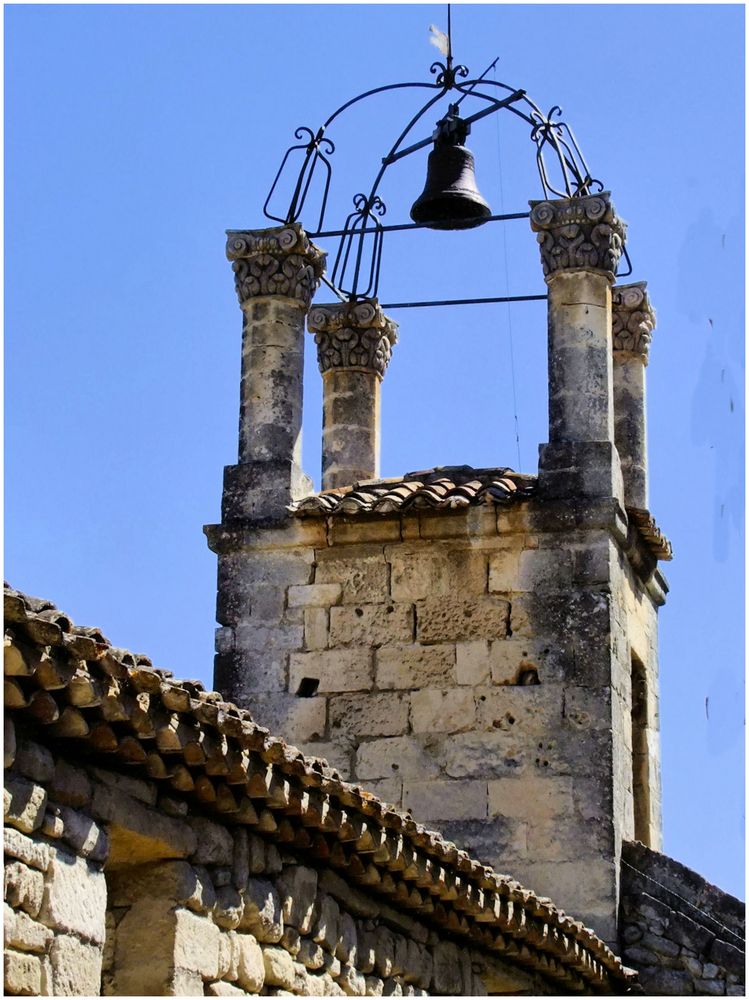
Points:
(185, 983)
(415, 666)
(279, 968)
(229, 907)
(262, 916)
(23, 974)
(34, 761)
(472, 664)
(310, 954)
(446, 971)
(291, 940)
(363, 578)
(357, 715)
(334, 669)
(222, 989)
(196, 944)
(214, 844)
(352, 982)
(531, 798)
(435, 711)
(251, 965)
(326, 927)
(31, 852)
(354, 900)
(21, 932)
(240, 865)
(137, 833)
(25, 804)
(144, 791)
(450, 620)
(9, 741)
(297, 886)
(76, 967)
(75, 898)
(347, 944)
(371, 624)
(403, 756)
(440, 801)
(70, 785)
(319, 595)
(24, 887)
(428, 571)
(660, 945)
(85, 836)
(316, 625)
(374, 986)
(228, 955)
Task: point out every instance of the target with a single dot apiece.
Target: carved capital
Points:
(632, 319)
(279, 261)
(353, 335)
(578, 233)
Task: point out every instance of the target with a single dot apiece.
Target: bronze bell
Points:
(450, 199)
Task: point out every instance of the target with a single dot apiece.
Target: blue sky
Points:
(135, 135)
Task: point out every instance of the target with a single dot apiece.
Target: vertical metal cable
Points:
(507, 292)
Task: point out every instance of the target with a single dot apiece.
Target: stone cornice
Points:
(353, 335)
(632, 319)
(279, 261)
(578, 234)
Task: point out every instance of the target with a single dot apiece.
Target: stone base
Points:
(261, 491)
(579, 469)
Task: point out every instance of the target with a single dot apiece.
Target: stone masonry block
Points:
(21, 932)
(35, 853)
(533, 710)
(429, 570)
(364, 576)
(317, 595)
(335, 669)
(297, 887)
(299, 718)
(23, 974)
(357, 715)
(514, 660)
(251, 967)
(545, 569)
(25, 804)
(71, 785)
(415, 666)
(371, 624)
(76, 967)
(138, 834)
(196, 941)
(316, 625)
(435, 711)
(75, 898)
(448, 620)
(35, 761)
(279, 968)
(504, 568)
(438, 801)
(481, 755)
(263, 915)
(472, 664)
(531, 798)
(399, 756)
(24, 887)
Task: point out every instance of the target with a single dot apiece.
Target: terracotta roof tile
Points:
(195, 744)
(443, 488)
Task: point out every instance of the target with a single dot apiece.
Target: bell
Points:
(450, 199)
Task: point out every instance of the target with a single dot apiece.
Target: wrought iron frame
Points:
(548, 132)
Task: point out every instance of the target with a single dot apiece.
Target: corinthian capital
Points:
(353, 335)
(278, 261)
(578, 234)
(632, 319)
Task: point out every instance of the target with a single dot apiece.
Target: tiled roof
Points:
(76, 690)
(450, 487)
(445, 488)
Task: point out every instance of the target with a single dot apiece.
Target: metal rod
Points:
(410, 225)
(464, 302)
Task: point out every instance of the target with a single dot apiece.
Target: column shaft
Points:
(633, 324)
(354, 344)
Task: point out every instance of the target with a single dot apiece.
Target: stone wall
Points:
(682, 934)
(103, 869)
(55, 892)
(472, 666)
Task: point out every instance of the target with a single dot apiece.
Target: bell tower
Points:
(476, 645)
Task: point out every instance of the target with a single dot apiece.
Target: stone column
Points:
(276, 274)
(632, 328)
(581, 240)
(354, 344)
